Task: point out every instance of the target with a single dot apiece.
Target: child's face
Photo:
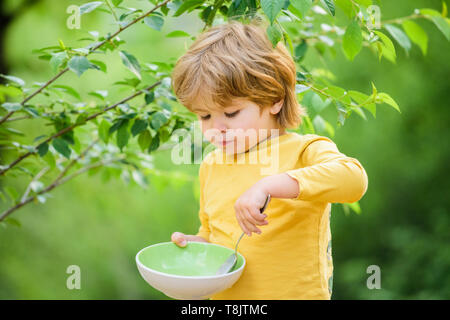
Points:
(239, 126)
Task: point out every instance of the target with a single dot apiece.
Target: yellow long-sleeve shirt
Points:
(291, 258)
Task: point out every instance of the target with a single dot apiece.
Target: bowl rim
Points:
(188, 277)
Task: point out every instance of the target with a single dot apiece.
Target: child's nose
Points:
(220, 125)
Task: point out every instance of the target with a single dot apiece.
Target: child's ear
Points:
(277, 107)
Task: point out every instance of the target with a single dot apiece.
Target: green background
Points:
(100, 226)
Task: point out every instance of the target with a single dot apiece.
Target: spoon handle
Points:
(265, 204)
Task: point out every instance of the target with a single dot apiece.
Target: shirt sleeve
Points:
(327, 175)
(204, 230)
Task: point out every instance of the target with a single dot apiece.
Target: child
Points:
(243, 92)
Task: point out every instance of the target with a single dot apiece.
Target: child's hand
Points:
(181, 239)
(248, 209)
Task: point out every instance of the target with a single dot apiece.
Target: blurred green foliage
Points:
(100, 225)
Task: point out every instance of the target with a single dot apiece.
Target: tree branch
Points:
(400, 20)
(71, 127)
(37, 177)
(58, 181)
(9, 114)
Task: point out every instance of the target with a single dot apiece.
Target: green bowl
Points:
(188, 272)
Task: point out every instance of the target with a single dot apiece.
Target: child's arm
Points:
(327, 176)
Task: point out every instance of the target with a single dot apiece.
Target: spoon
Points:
(231, 260)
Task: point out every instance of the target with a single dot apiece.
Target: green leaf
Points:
(68, 90)
(288, 40)
(132, 82)
(13, 222)
(205, 13)
(116, 3)
(32, 111)
(188, 4)
(274, 34)
(346, 6)
(237, 9)
(2, 196)
(164, 134)
(101, 94)
(79, 64)
(329, 129)
(416, 34)
(39, 137)
(374, 91)
(429, 12)
(365, 3)
(42, 149)
(154, 22)
(314, 102)
(62, 147)
(399, 36)
(149, 97)
(10, 91)
(330, 5)
(99, 64)
(372, 108)
(384, 97)
(336, 92)
(360, 112)
(342, 113)
(116, 125)
(41, 198)
(177, 34)
(355, 207)
(352, 41)
(302, 6)
(16, 132)
(131, 63)
(36, 186)
(388, 50)
(58, 60)
(123, 135)
(139, 125)
(139, 178)
(319, 124)
(12, 106)
(15, 80)
(50, 160)
(271, 8)
(144, 140)
(442, 25)
(174, 5)
(81, 119)
(154, 143)
(158, 120)
(359, 97)
(300, 51)
(90, 6)
(103, 130)
(12, 193)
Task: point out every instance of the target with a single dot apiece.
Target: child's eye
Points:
(231, 115)
(205, 117)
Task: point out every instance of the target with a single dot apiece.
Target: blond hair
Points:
(237, 60)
